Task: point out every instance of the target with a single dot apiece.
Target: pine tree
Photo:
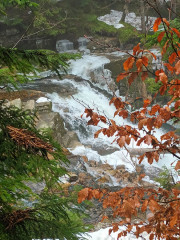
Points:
(28, 156)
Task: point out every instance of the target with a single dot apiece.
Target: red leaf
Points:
(145, 61)
(165, 47)
(144, 76)
(154, 109)
(166, 22)
(83, 195)
(139, 64)
(160, 37)
(103, 218)
(177, 167)
(121, 141)
(162, 90)
(177, 67)
(128, 64)
(176, 31)
(144, 206)
(156, 24)
(163, 78)
(148, 139)
(172, 57)
(146, 103)
(169, 67)
(132, 77)
(136, 48)
(121, 76)
(154, 56)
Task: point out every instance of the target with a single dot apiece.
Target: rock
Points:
(73, 177)
(70, 140)
(121, 167)
(29, 105)
(36, 187)
(112, 172)
(85, 159)
(105, 179)
(16, 103)
(44, 106)
(106, 167)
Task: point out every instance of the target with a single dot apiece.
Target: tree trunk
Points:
(143, 20)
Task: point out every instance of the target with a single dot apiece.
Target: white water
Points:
(115, 17)
(73, 107)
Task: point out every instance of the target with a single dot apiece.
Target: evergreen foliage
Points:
(28, 157)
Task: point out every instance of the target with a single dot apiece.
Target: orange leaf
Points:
(176, 31)
(121, 76)
(177, 167)
(162, 90)
(83, 195)
(154, 56)
(154, 109)
(144, 206)
(139, 64)
(136, 48)
(163, 78)
(103, 218)
(169, 67)
(97, 133)
(145, 61)
(172, 57)
(156, 24)
(141, 176)
(144, 76)
(128, 64)
(165, 47)
(146, 103)
(132, 77)
(166, 22)
(177, 67)
(121, 141)
(160, 37)
(148, 139)
(174, 220)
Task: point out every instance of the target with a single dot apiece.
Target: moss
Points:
(127, 34)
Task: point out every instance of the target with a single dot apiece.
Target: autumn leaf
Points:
(145, 61)
(83, 194)
(148, 139)
(163, 78)
(144, 76)
(176, 31)
(156, 24)
(144, 205)
(169, 67)
(141, 176)
(128, 64)
(136, 48)
(173, 221)
(139, 64)
(166, 22)
(97, 133)
(121, 76)
(177, 167)
(103, 218)
(172, 57)
(177, 67)
(132, 77)
(154, 109)
(160, 37)
(146, 103)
